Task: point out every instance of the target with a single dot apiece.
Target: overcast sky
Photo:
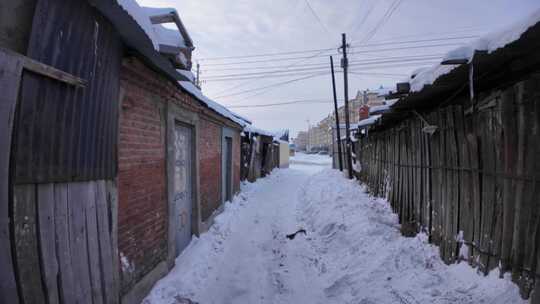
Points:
(224, 28)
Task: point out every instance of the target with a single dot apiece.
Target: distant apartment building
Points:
(320, 136)
(301, 141)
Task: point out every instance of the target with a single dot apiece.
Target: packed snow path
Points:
(352, 251)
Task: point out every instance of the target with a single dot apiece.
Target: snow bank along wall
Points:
(87, 211)
(474, 185)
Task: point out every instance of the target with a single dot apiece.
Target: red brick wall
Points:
(209, 167)
(142, 212)
(142, 209)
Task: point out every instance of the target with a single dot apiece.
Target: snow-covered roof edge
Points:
(142, 18)
(218, 108)
(489, 43)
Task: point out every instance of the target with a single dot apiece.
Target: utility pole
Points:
(340, 156)
(345, 66)
(198, 73)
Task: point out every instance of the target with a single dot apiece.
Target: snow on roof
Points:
(141, 17)
(223, 111)
(253, 129)
(247, 120)
(381, 91)
(385, 107)
(157, 33)
(490, 43)
(187, 74)
(168, 36)
(368, 121)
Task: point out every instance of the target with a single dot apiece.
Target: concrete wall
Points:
(16, 24)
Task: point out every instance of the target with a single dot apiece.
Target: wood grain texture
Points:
(10, 75)
(26, 244)
(47, 240)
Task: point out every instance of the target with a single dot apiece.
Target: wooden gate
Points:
(57, 240)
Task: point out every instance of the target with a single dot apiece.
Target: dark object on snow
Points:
(180, 300)
(293, 235)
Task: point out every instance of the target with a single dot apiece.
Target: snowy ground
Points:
(352, 253)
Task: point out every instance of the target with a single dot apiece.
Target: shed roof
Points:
(496, 59)
(137, 31)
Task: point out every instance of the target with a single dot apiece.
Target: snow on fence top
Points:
(368, 121)
(489, 43)
(385, 107)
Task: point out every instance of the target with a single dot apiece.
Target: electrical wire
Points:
(271, 70)
(325, 64)
(318, 18)
(271, 86)
(325, 101)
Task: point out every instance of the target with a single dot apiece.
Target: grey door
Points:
(183, 165)
(228, 169)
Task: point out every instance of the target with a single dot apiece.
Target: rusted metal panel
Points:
(65, 133)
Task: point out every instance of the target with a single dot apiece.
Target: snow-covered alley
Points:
(352, 251)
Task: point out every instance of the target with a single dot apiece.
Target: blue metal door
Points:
(183, 139)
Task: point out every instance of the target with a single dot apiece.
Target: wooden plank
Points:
(45, 70)
(10, 75)
(472, 140)
(465, 198)
(68, 286)
(105, 243)
(79, 196)
(94, 254)
(509, 123)
(497, 217)
(47, 240)
(532, 210)
(26, 244)
(488, 186)
(453, 212)
(520, 219)
(112, 204)
(436, 172)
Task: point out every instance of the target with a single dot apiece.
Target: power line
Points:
(318, 67)
(271, 86)
(364, 68)
(364, 19)
(273, 67)
(318, 18)
(325, 55)
(289, 66)
(267, 54)
(281, 103)
(393, 7)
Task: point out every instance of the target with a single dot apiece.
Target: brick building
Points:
(151, 107)
(129, 158)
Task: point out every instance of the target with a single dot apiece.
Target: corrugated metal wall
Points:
(64, 133)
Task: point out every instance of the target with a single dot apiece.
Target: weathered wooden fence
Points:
(474, 183)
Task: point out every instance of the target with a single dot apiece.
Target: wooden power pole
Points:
(198, 81)
(345, 66)
(340, 155)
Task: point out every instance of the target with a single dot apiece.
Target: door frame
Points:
(180, 116)
(226, 133)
